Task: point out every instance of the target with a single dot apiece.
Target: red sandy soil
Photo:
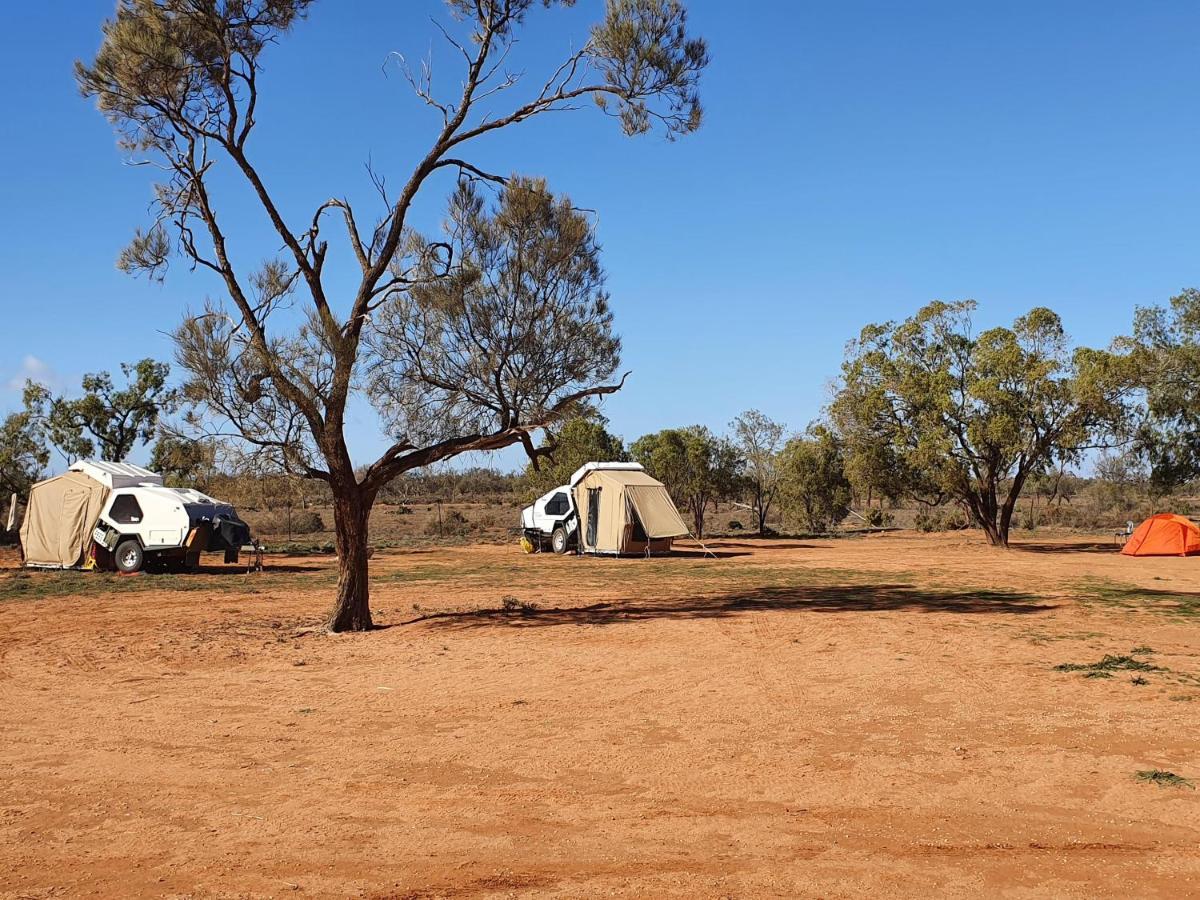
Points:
(819, 718)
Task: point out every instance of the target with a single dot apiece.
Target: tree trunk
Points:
(352, 609)
(997, 535)
(982, 507)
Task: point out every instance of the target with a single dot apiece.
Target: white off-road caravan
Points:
(607, 508)
(116, 515)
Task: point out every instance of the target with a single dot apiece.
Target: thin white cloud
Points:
(33, 369)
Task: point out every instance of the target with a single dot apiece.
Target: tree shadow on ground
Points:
(809, 598)
(718, 551)
(1074, 547)
(269, 568)
(767, 544)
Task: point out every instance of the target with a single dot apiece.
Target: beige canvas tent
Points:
(60, 516)
(624, 511)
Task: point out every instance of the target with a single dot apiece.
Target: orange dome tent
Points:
(1164, 535)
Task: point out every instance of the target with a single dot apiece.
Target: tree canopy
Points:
(972, 416)
(106, 421)
(580, 440)
(696, 466)
(183, 462)
(1165, 351)
(813, 484)
(23, 457)
(759, 440)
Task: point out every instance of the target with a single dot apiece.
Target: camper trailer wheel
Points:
(558, 541)
(129, 556)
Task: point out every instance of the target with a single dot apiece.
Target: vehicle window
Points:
(125, 509)
(557, 505)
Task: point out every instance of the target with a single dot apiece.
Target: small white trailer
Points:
(122, 516)
(612, 508)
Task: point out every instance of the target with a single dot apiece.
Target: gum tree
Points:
(813, 483)
(759, 439)
(697, 467)
(105, 420)
(579, 440)
(278, 359)
(1165, 351)
(973, 416)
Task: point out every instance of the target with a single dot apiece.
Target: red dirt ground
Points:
(819, 718)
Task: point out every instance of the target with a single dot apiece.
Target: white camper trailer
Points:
(116, 514)
(607, 508)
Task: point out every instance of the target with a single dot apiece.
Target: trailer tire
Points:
(129, 556)
(558, 540)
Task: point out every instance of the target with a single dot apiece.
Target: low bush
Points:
(282, 521)
(929, 520)
(877, 518)
(452, 524)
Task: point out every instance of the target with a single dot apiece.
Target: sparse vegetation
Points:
(1129, 596)
(1106, 666)
(1164, 779)
(511, 604)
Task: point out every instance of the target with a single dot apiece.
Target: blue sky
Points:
(858, 159)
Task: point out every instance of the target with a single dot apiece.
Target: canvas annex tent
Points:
(622, 510)
(62, 511)
(1164, 535)
(60, 516)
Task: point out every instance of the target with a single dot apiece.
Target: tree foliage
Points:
(517, 332)
(580, 440)
(183, 462)
(972, 417)
(23, 457)
(813, 484)
(759, 440)
(697, 467)
(106, 421)
(278, 358)
(1165, 349)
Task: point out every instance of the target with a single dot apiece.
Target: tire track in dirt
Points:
(768, 651)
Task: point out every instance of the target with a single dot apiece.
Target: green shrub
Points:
(877, 518)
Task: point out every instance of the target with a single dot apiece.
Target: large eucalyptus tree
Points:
(971, 417)
(425, 326)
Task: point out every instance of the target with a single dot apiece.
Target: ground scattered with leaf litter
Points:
(897, 715)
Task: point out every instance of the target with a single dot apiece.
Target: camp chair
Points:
(254, 556)
(1122, 537)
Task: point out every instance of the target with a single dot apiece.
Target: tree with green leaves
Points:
(697, 467)
(875, 474)
(1165, 350)
(23, 457)
(442, 330)
(759, 439)
(973, 416)
(580, 440)
(106, 421)
(813, 485)
(183, 462)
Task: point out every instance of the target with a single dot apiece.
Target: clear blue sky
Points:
(858, 160)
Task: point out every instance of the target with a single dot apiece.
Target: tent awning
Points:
(657, 513)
